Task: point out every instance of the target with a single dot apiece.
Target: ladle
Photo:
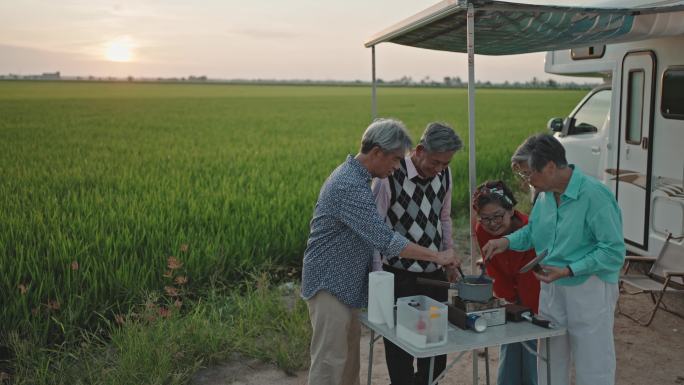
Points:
(481, 278)
(460, 271)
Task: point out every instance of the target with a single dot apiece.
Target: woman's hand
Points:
(495, 246)
(551, 273)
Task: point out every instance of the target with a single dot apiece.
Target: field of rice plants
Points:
(102, 182)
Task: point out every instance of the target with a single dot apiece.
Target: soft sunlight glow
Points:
(119, 50)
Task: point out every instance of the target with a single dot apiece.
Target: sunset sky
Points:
(229, 39)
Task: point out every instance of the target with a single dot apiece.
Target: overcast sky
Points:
(229, 39)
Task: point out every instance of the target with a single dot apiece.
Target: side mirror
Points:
(584, 128)
(555, 124)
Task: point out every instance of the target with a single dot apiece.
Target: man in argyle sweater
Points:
(416, 202)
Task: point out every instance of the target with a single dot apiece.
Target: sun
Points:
(119, 50)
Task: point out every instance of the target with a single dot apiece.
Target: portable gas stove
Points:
(492, 311)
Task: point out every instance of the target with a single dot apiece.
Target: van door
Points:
(582, 141)
(633, 189)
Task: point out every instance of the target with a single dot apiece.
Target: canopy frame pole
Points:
(472, 169)
(374, 105)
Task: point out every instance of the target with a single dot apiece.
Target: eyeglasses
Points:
(496, 218)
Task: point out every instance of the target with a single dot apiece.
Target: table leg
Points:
(452, 363)
(370, 355)
(475, 374)
(548, 361)
(432, 370)
(529, 349)
(487, 365)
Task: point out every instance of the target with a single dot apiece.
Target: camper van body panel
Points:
(645, 169)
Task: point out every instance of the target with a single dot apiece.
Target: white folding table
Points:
(462, 341)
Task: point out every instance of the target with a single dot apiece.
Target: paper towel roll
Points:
(381, 298)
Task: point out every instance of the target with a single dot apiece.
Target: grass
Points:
(100, 183)
(259, 321)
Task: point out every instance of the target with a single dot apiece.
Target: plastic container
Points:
(422, 321)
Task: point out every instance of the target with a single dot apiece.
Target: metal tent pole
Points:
(471, 127)
(471, 146)
(374, 106)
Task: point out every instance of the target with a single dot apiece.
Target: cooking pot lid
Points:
(534, 262)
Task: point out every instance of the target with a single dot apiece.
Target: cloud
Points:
(29, 61)
(24, 60)
(267, 33)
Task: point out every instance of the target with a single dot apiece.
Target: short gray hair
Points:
(388, 134)
(538, 150)
(439, 137)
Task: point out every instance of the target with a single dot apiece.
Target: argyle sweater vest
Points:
(415, 206)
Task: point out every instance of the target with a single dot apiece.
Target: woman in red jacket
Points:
(494, 201)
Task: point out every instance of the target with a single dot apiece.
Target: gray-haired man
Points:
(416, 202)
(345, 230)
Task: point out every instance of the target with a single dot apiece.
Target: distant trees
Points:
(456, 82)
(44, 76)
(404, 81)
(453, 82)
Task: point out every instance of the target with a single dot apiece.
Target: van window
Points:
(592, 52)
(635, 106)
(672, 101)
(593, 113)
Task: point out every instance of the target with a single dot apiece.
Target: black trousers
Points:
(400, 363)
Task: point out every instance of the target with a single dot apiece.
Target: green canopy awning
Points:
(504, 28)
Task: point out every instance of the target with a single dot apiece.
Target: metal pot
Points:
(470, 287)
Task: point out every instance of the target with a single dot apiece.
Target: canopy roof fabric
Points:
(503, 28)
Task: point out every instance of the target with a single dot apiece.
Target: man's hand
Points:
(447, 258)
(495, 246)
(551, 273)
(452, 272)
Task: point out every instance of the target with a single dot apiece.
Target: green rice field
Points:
(100, 183)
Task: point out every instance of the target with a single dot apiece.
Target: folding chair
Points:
(665, 276)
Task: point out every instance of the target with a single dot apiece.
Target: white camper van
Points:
(629, 132)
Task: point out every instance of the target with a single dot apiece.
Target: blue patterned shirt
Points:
(345, 229)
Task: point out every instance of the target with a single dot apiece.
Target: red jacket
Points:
(504, 267)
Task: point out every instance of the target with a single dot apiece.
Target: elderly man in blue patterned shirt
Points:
(345, 230)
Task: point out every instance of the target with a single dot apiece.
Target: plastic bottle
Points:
(434, 334)
(421, 325)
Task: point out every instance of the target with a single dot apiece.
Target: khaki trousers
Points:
(335, 341)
